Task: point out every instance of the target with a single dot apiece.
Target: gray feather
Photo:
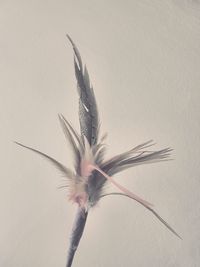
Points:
(77, 231)
(72, 143)
(136, 156)
(67, 172)
(88, 113)
(150, 209)
(75, 134)
(118, 158)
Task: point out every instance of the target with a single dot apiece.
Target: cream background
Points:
(144, 60)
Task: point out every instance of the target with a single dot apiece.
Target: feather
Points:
(92, 171)
(147, 207)
(118, 158)
(134, 157)
(88, 113)
(125, 190)
(77, 231)
(99, 150)
(75, 134)
(71, 141)
(67, 172)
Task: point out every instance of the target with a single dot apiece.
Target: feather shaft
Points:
(150, 209)
(77, 231)
(123, 189)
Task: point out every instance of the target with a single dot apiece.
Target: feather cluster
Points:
(91, 170)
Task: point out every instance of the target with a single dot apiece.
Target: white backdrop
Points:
(144, 60)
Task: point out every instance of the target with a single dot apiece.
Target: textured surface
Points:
(143, 59)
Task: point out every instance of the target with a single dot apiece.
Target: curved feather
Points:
(149, 208)
(67, 172)
(72, 143)
(75, 134)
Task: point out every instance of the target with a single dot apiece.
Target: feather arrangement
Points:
(86, 183)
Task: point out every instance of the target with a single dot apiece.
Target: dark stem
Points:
(77, 231)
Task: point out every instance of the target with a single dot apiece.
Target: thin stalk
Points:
(77, 231)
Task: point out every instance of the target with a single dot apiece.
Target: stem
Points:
(77, 231)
